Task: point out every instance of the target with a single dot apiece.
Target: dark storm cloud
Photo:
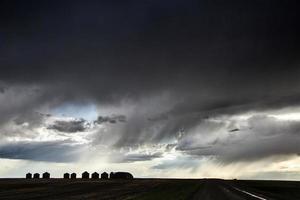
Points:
(213, 57)
(136, 47)
(110, 119)
(57, 151)
(70, 126)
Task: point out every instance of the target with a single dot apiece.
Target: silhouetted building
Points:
(36, 175)
(46, 175)
(28, 175)
(121, 175)
(66, 175)
(95, 175)
(104, 175)
(85, 175)
(73, 176)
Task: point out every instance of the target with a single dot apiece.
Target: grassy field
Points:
(141, 189)
(99, 189)
(176, 189)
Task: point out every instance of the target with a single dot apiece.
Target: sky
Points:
(180, 89)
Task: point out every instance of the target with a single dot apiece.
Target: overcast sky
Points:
(158, 88)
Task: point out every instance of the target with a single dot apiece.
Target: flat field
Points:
(147, 189)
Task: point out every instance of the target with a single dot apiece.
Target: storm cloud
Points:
(205, 78)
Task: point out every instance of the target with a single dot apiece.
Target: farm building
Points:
(104, 175)
(121, 175)
(46, 175)
(95, 175)
(73, 176)
(66, 175)
(85, 175)
(36, 175)
(28, 176)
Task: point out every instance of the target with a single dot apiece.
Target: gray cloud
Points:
(70, 126)
(33, 119)
(265, 137)
(110, 119)
(159, 117)
(56, 151)
(2, 89)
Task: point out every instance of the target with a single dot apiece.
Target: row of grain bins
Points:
(46, 175)
(85, 175)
